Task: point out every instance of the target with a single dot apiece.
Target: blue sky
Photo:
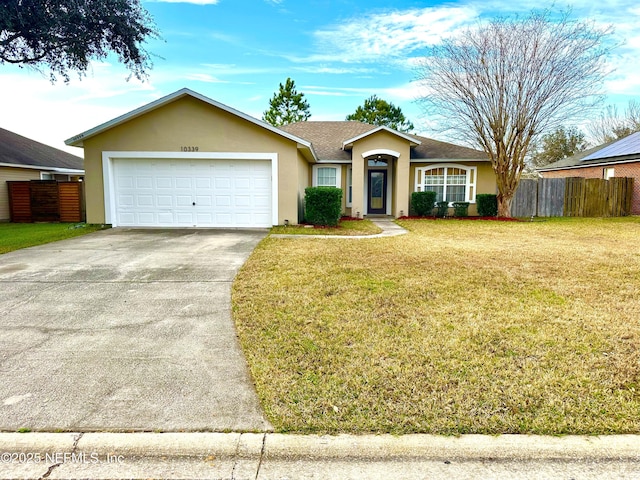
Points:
(237, 52)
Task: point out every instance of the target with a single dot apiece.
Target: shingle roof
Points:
(18, 150)
(430, 148)
(327, 139)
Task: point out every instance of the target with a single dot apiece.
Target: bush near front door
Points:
(422, 203)
(323, 205)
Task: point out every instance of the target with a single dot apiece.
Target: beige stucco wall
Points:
(485, 183)
(191, 122)
(12, 174)
(400, 190)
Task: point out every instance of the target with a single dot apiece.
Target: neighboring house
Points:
(187, 160)
(25, 159)
(619, 158)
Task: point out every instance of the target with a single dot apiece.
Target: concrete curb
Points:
(314, 447)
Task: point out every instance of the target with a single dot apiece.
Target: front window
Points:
(452, 183)
(326, 176)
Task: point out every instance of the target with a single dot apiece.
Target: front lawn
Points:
(457, 327)
(14, 236)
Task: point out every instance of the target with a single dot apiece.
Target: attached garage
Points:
(194, 190)
(185, 160)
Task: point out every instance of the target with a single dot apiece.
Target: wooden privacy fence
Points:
(46, 201)
(573, 197)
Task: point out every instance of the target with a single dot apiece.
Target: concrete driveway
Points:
(125, 330)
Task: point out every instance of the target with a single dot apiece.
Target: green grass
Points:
(345, 227)
(14, 236)
(457, 327)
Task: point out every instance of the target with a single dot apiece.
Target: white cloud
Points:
(333, 70)
(389, 35)
(50, 113)
(204, 77)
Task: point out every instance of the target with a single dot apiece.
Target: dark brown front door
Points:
(377, 198)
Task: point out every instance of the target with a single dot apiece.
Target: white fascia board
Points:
(77, 140)
(44, 169)
(341, 162)
(599, 164)
(446, 160)
(350, 141)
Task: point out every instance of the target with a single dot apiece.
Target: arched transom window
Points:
(453, 183)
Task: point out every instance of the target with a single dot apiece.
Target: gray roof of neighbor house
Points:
(624, 150)
(24, 152)
(327, 139)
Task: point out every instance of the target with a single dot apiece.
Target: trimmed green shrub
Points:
(442, 209)
(487, 204)
(422, 203)
(460, 209)
(323, 205)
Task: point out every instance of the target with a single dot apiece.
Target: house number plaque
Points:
(189, 149)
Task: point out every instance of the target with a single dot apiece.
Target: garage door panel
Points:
(204, 200)
(126, 200)
(262, 201)
(124, 182)
(166, 218)
(165, 200)
(183, 200)
(183, 183)
(146, 218)
(144, 200)
(164, 182)
(144, 182)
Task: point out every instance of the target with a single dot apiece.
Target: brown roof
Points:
(430, 148)
(18, 150)
(327, 139)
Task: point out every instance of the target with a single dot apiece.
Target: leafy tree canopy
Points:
(65, 35)
(287, 106)
(559, 144)
(377, 111)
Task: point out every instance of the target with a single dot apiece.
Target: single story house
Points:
(619, 158)
(185, 160)
(24, 159)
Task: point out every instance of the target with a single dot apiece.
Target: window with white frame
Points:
(453, 183)
(327, 175)
(609, 172)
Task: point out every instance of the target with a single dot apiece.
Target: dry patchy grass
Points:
(457, 327)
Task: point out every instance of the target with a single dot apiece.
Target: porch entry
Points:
(377, 198)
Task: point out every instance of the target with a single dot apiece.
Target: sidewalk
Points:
(250, 456)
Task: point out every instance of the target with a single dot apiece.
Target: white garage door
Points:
(192, 192)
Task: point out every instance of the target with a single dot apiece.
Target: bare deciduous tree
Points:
(501, 84)
(611, 126)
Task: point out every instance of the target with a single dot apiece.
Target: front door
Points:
(377, 201)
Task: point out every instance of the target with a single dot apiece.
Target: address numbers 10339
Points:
(189, 149)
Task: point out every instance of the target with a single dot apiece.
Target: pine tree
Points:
(287, 106)
(377, 111)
